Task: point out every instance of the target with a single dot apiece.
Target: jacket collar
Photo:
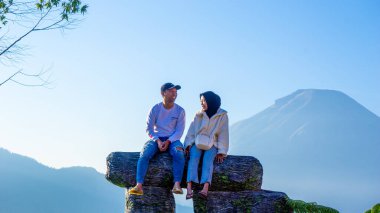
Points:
(218, 113)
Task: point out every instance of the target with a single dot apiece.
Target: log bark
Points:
(236, 173)
(155, 199)
(244, 201)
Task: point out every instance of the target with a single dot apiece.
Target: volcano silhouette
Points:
(320, 145)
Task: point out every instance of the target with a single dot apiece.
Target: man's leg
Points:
(177, 152)
(149, 150)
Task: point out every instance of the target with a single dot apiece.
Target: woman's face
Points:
(203, 103)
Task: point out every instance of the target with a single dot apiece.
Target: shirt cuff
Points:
(154, 138)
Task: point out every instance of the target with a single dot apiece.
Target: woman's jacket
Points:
(216, 127)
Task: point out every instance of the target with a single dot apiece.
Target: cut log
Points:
(155, 199)
(244, 201)
(236, 173)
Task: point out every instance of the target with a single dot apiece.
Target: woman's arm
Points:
(223, 137)
(190, 136)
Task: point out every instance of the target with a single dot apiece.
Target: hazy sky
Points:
(108, 72)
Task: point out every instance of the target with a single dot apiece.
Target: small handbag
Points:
(203, 141)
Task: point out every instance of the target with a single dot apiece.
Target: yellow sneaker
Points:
(135, 191)
(176, 190)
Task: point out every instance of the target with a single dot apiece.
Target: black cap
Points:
(167, 86)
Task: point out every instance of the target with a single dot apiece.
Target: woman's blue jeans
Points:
(207, 164)
(150, 149)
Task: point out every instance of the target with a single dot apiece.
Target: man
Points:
(165, 126)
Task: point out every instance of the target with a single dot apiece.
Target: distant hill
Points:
(28, 186)
(317, 145)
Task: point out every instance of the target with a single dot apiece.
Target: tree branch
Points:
(10, 77)
(43, 82)
(31, 30)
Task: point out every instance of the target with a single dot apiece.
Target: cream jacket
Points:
(216, 127)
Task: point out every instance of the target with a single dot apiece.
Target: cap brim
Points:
(178, 87)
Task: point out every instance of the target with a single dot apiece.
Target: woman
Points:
(208, 134)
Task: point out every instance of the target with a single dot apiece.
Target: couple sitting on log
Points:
(207, 135)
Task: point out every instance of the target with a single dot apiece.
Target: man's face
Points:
(170, 95)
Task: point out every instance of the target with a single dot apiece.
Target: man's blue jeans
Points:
(207, 164)
(150, 149)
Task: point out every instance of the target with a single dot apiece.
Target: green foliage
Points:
(4, 9)
(375, 209)
(250, 182)
(66, 8)
(199, 204)
(224, 179)
(242, 203)
(300, 206)
(23, 17)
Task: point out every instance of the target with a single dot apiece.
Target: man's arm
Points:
(150, 121)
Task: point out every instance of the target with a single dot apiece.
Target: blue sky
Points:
(107, 72)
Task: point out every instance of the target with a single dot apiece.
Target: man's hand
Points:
(219, 158)
(159, 144)
(165, 146)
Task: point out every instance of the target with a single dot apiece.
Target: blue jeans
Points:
(150, 149)
(207, 164)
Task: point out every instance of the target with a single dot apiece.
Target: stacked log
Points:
(155, 199)
(235, 187)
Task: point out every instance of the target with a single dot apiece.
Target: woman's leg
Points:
(208, 167)
(192, 167)
(189, 193)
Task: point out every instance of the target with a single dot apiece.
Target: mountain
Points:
(316, 145)
(28, 186)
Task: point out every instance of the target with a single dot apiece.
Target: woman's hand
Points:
(219, 158)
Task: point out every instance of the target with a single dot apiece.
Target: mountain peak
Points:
(321, 100)
(319, 137)
(309, 110)
(308, 94)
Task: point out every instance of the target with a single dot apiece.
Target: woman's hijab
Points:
(213, 102)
